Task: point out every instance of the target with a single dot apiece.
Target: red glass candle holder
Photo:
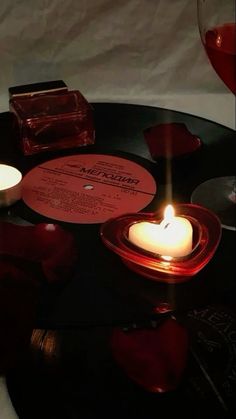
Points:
(50, 121)
(206, 237)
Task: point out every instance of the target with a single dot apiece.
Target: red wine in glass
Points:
(217, 26)
(220, 45)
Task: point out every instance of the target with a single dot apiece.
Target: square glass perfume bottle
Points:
(51, 118)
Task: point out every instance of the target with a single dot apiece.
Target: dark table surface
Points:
(70, 372)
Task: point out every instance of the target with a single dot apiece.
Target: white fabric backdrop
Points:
(6, 409)
(136, 51)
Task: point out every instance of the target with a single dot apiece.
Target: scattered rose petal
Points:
(153, 358)
(170, 140)
(18, 302)
(47, 244)
(28, 254)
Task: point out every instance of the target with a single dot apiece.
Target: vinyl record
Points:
(87, 188)
(212, 331)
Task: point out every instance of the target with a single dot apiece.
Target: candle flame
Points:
(169, 213)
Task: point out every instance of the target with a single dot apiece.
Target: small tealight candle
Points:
(173, 237)
(10, 185)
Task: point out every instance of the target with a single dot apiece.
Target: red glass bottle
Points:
(52, 119)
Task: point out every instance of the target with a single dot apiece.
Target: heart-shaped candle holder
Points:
(206, 237)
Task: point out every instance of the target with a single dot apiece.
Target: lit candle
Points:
(172, 237)
(10, 185)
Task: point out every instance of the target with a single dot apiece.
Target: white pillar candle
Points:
(172, 237)
(10, 185)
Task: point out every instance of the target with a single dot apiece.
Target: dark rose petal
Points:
(58, 251)
(47, 244)
(154, 358)
(18, 301)
(170, 140)
(28, 254)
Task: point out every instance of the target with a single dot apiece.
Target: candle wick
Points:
(166, 225)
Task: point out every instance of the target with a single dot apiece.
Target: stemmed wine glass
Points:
(217, 26)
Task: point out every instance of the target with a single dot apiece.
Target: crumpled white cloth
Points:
(135, 51)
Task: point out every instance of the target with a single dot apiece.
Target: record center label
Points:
(88, 188)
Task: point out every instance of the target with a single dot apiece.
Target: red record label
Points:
(87, 188)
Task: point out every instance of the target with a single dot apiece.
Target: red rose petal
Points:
(154, 358)
(170, 140)
(18, 302)
(28, 253)
(47, 244)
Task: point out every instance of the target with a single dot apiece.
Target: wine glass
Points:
(217, 26)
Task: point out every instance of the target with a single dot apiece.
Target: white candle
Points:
(172, 237)
(10, 185)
